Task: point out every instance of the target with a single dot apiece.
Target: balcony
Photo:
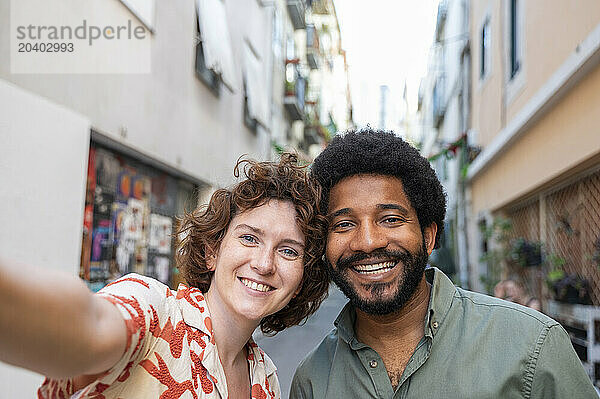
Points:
(297, 11)
(312, 47)
(295, 87)
(322, 7)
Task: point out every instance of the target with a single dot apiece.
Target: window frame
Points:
(514, 49)
(210, 78)
(485, 48)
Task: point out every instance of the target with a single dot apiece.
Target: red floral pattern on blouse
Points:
(170, 352)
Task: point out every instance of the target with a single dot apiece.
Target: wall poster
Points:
(130, 211)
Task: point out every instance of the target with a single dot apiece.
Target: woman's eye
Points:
(289, 253)
(249, 239)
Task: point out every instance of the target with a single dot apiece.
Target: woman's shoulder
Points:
(133, 284)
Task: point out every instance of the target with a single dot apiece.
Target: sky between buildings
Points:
(387, 43)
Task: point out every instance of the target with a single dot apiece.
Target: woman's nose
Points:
(264, 264)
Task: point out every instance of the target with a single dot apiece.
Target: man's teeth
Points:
(256, 286)
(375, 268)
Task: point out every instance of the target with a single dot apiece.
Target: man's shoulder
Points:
(495, 308)
(320, 358)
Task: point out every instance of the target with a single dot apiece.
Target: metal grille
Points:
(525, 222)
(563, 220)
(590, 233)
(567, 222)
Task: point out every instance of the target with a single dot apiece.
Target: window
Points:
(256, 98)
(208, 76)
(514, 41)
(514, 44)
(214, 55)
(483, 243)
(485, 49)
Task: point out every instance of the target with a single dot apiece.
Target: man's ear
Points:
(429, 234)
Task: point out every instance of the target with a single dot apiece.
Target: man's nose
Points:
(265, 263)
(367, 238)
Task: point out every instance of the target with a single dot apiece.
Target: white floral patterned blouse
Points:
(170, 353)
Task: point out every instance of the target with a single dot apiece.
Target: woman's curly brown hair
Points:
(204, 229)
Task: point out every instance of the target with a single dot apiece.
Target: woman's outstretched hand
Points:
(51, 323)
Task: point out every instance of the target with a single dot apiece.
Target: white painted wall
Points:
(168, 114)
(43, 163)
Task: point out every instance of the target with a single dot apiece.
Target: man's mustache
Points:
(377, 256)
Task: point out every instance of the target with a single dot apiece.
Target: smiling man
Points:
(408, 332)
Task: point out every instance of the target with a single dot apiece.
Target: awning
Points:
(216, 42)
(256, 87)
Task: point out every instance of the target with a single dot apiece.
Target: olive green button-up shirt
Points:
(475, 346)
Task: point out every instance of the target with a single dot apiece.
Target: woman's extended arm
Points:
(52, 324)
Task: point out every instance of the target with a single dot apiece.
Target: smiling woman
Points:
(207, 226)
(252, 257)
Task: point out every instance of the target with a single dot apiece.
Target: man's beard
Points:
(414, 267)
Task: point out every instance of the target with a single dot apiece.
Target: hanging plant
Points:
(526, 253)
(566, 287)
(572, 289)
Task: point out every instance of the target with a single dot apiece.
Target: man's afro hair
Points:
(371, 151)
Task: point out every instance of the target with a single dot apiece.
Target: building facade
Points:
(99, 165)
(316, 90)
(534, 188)
(443, 113)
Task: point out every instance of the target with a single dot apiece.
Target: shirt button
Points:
(373, 363)
(435, 324)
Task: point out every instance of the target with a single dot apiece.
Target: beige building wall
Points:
(486, 92)
(559, 142)
(541, 128)
(553, 30)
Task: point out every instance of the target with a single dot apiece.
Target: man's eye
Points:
(342, 225)
(394, 219)
(249, 239)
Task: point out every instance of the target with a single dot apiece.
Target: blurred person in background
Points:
(252, 257)
(514, 291)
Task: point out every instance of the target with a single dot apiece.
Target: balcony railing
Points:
(294, 94)
(312, 46)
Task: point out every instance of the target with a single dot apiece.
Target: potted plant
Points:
(526, 253)
(567, 287)
(290, 88)
(573, 289)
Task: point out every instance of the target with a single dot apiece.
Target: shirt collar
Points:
(192, 304)
(345, 323)
(258, 356)
(442, 293)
